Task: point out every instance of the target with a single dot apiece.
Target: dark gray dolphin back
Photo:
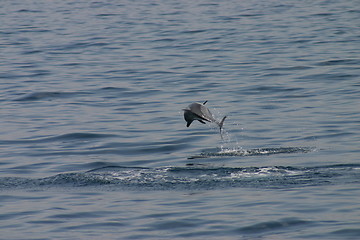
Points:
(202, 111)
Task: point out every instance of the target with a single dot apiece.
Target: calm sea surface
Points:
(93, 144)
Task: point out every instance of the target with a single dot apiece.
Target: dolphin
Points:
(198, 111)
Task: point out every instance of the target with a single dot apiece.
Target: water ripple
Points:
(272, 225)
(37, 96)
(62, 137)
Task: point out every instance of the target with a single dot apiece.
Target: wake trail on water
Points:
(193, 177)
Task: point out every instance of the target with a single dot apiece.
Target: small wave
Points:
(347, 233)
(37, 96)
(345, 62)
(62, 137)
(194, 177)
(70, 136)
(227, 152)
(115, 91)
(272, 225)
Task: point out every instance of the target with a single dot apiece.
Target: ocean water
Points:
(93, 144)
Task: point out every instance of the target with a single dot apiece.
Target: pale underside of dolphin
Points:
(198, 111)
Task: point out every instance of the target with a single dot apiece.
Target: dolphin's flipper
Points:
(189, 123)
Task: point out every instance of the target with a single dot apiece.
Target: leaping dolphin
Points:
(198, 111)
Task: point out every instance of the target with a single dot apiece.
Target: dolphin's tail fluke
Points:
(221, 123)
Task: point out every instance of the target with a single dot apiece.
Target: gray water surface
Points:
(93, 144)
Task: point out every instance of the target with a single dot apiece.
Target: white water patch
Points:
(265, 172)
(234, 152)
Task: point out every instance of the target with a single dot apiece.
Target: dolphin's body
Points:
(198, 111)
